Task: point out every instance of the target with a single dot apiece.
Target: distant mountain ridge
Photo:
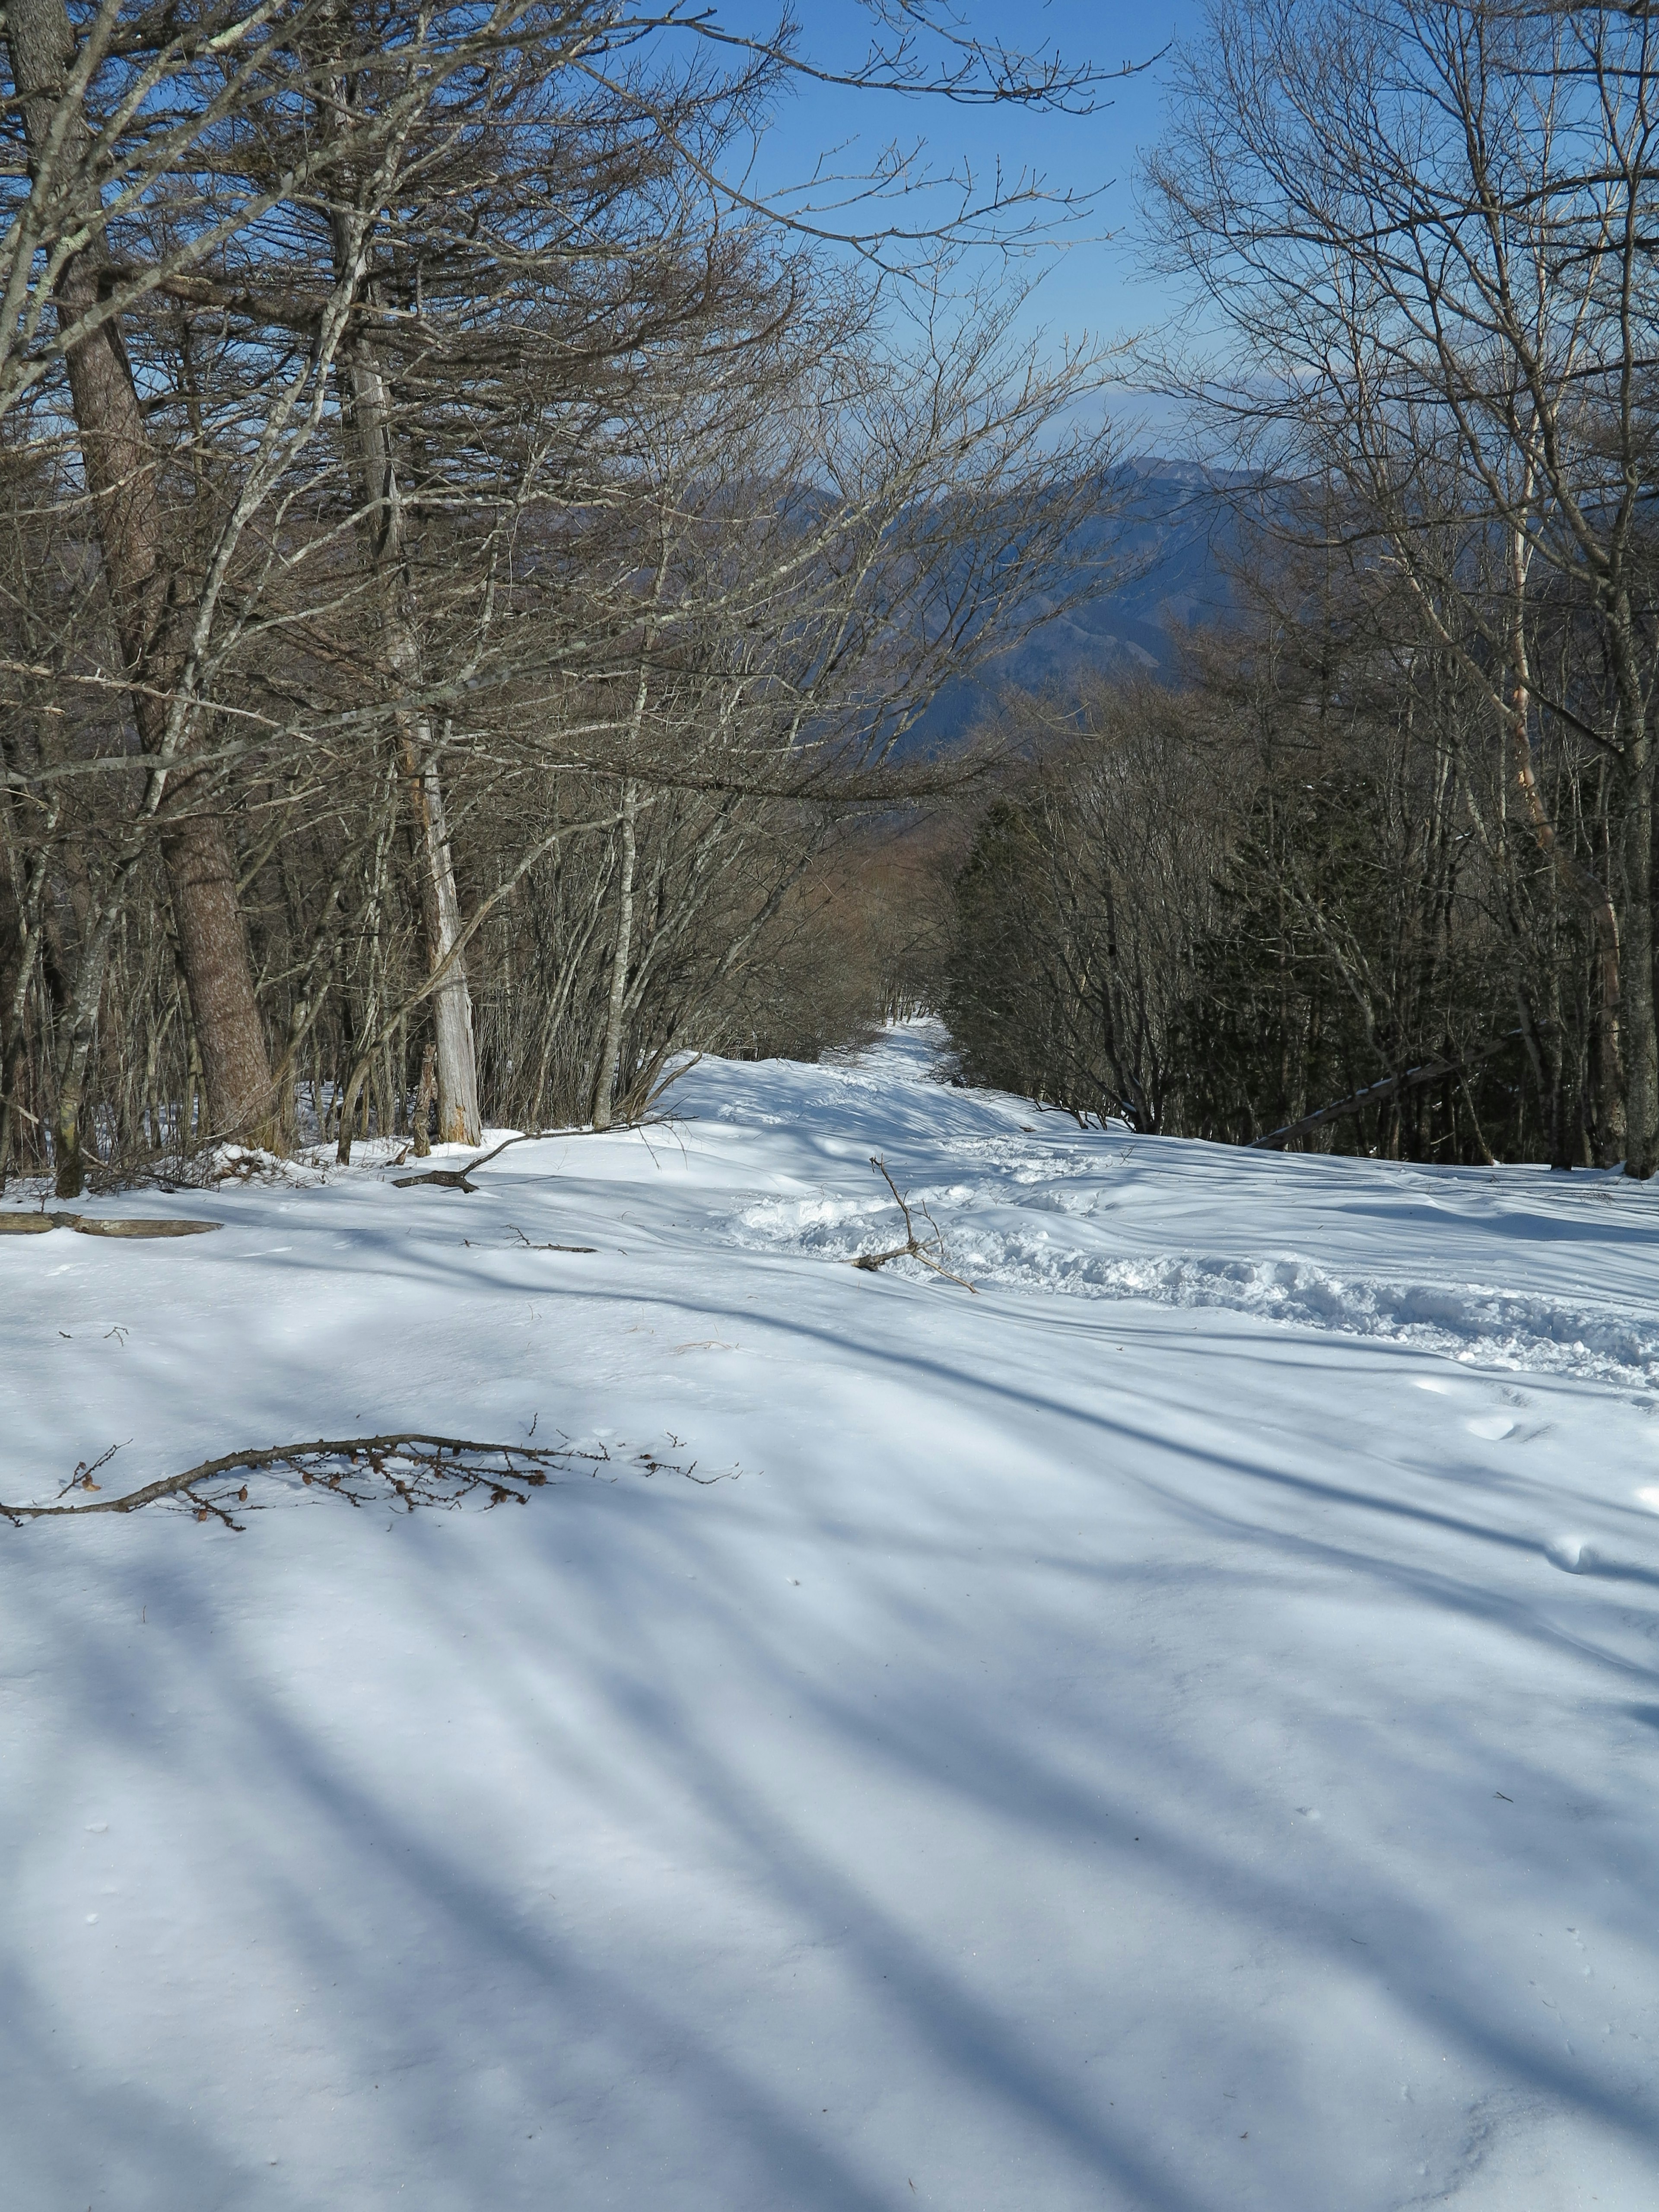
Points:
(1173, 533)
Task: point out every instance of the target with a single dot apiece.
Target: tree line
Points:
(464, 554)
(1390, 852)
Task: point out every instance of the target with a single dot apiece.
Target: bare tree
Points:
(1429, 232)
(1086, 892)
(385, 333)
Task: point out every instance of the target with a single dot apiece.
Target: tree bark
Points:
(459, 1120)
(1641, 1031)
(610, 1052)
(123, 477)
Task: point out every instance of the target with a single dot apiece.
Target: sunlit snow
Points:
(1176, 1729)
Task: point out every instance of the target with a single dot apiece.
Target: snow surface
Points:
(1177, 1729)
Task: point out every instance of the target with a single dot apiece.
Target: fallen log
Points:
(104, 1224)
(1377, 1094)
(456, 1178)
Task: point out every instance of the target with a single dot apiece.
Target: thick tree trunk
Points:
(70, 1160)
(213, 950)
(122, 473)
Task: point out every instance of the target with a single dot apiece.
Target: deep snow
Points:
(1177, 1729)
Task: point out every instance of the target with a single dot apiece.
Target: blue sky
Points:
(1091, 283)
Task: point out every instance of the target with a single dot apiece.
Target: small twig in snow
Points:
(529, 1247)
(914, 1246)
(81, 1478)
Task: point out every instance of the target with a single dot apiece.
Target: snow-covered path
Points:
(1176, 1731)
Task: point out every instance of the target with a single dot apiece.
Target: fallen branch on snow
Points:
(456, 1178)
(914, 1246)
(404, 1470)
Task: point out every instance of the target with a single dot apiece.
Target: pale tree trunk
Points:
(605, 1082)
(604, 1079)
(459, 1122)
(122, 473)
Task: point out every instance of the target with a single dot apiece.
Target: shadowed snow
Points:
(1189, 1745)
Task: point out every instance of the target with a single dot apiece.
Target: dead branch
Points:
(405, 1470)
(529, 1247)
(914, 1246)
(456, 1178)
(1376, 1094)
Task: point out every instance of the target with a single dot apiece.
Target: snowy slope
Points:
(1176, 1729)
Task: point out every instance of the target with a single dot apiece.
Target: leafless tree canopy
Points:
(1383, 875)
(1295, 901)
(462, 555)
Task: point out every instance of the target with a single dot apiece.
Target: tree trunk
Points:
(1607, 1059)
(201, 865)
(13, 1041)
(122, 476)
(604, 1082)
(459, 1120)
(1640, 1042)
(1640, 1039)
(80, 1026)
(70, 1162)
(425, 1093)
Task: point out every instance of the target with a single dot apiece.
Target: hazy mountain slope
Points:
(1176, 537)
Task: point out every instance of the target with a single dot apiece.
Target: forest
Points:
(472, 574)
(461, 565)
(1384, 855)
